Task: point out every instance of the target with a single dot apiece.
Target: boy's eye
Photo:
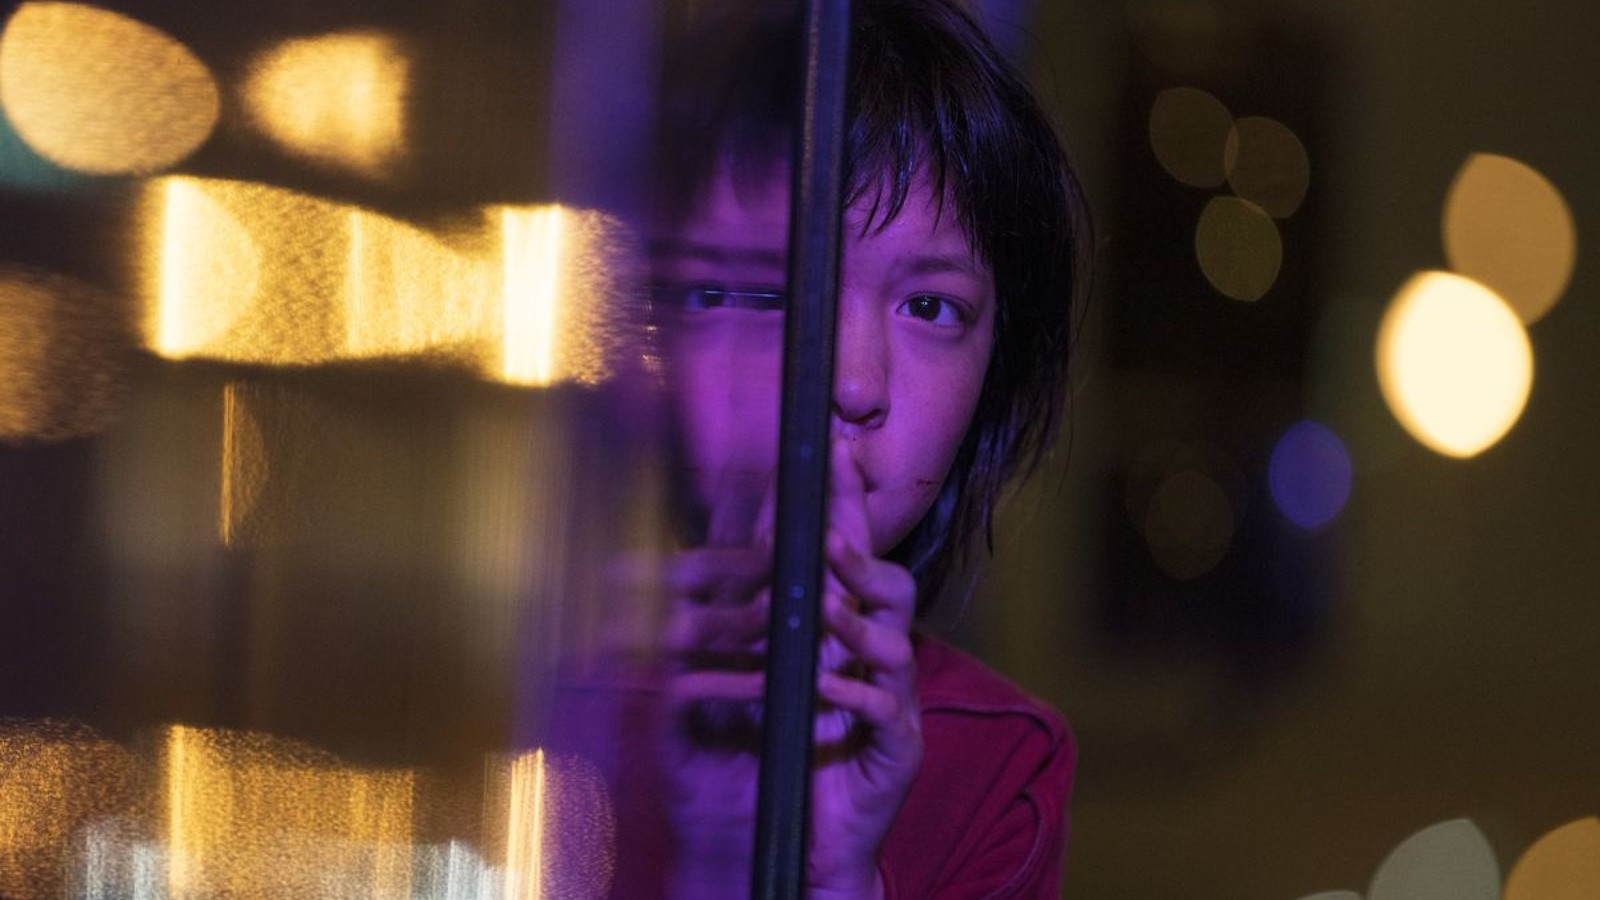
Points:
(700, 297)
(934, 309)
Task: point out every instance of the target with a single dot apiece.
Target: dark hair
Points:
(928, 91)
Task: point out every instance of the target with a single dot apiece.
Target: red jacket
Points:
(985, 817)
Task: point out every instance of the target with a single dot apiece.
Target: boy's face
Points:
(915, 329)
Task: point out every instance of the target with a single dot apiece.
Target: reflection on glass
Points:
(54, 779)
(249, 273)
(560, 834)
(525, 828)
(338, 99)
(1508, 227)
(239, 805)
(62, 348)
(98, 92)
(1454, 363)
(255, 817)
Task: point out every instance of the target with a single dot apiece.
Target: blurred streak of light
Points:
(101, 93)
(244, 463)
(1562, 865)
(1448, 861)
(254, 274)
(533, 251)
(116, 865)
(1190, 524)
(1238, 248)
(1189, 132)
(1267, 165)
(525, 828)
(406, 292)
(62, 349)
(239, 805)
(1334, 895)
(54, 778)
(1508, 227)
(337, 99)
(1454, 363)
(455, 871)
(512, 538)
(1310, 474)
(560, 837)
(208, 268)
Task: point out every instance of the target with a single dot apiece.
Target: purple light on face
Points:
(1309, 474)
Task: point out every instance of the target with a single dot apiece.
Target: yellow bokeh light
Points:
(249, 816)
(1267, 165)
(1238, 248)
(1562, 865)
(247, 273)
(62, 349)
(98, 92)
(1188, 132)
(338, 99)
(54, 778)
(1508, 227)
(1454, 363)
(1189, 524)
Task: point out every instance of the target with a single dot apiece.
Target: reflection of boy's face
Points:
(915, 328)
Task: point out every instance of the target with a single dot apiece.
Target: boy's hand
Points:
(867, 734)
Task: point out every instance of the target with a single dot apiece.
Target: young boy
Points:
(963, 231)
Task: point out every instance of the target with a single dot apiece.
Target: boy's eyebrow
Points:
(717, 253)
(936, 264)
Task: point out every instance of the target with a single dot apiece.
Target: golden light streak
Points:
(525, 827)
(560, 833)
(336, 99)
(532, 291)
(407, 293)
(1454, 363)
(254, 274)
(255, 817)
(207, 269)
(244, 465)
(98, 92)
(1508, 227)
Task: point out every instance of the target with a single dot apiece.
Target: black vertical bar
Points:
(783, 801)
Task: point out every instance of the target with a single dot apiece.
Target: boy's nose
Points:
(860, 368)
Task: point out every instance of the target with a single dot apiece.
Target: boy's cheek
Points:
(725, 394)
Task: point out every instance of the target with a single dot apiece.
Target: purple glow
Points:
(1310, 474)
